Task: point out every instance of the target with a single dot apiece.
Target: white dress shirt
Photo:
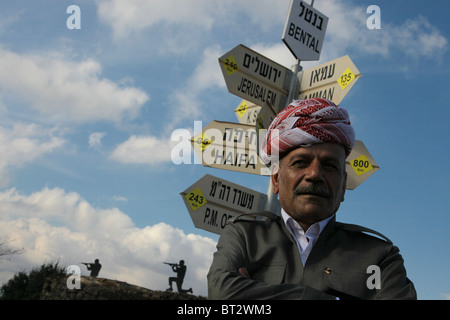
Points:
(305, 240)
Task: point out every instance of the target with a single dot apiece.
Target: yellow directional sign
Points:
(202, 142)
(255, 78)
(195, 199)
(360, 165)
(229, 146)
(246, 112)
(331, 80)
(211, 201)
(230, 65)
(346, 78)
(249, 113)
(241, 109)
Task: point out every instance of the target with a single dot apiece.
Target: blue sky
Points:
(86, 118)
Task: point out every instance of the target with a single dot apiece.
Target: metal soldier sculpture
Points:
(180, 270)
(93, 267)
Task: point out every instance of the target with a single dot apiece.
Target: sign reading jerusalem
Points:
(255, 78)
(304, 31)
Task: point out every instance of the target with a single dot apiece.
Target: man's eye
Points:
(331, 165)
(299, 163)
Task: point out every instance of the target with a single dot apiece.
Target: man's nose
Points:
(314, 172)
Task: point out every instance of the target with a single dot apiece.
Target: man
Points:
(180, 270)
(305, 253)
(94, 268)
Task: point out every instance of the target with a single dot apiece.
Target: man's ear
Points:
(275, 176)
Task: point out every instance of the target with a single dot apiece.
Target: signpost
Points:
(229, 146)
(267, 88)
(331, 80)
(211, 201)
(255, 78)
(304, 31)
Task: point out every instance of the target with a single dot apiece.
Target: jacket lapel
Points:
(318, 252)
(297, 261)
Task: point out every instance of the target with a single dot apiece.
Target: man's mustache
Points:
(314, 189)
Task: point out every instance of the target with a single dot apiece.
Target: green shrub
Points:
(29, 287)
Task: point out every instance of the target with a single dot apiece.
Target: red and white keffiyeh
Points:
(304, 123)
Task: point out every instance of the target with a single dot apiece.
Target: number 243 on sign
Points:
(196, 199)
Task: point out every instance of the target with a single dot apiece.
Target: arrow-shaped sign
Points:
(255, 78)
(229, 146)
(211, 201)
(360, 165)
(304, 31)
(247, 112)
(331, 80)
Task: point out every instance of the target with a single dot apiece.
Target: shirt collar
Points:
(313, 231)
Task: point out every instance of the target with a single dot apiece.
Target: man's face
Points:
(311, 182)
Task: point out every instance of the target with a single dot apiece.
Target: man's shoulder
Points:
(266, 219)
(261, 229)
(262, 217)
(354, 228)
(255, 222)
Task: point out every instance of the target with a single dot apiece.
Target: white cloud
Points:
(189, 18)
(127, 17)
(143, 150)
(95, 139)
(120, 198)
(276, 52)
(66, 91)
(186, 105)
(347, 29)
(186, 99)
(54, 225)
(416, 38)
(24, 143)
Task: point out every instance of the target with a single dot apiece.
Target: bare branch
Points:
(5, 250)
